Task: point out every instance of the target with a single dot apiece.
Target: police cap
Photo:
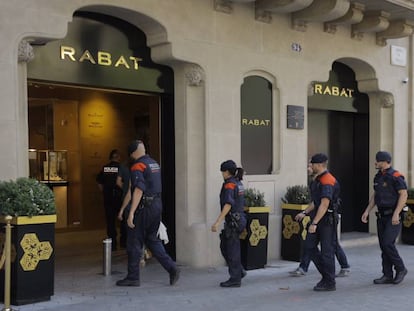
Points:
(383, 156)
(228, 165)
(319, 158)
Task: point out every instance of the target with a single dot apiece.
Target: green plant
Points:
(26, 197)
(297, 194)
(253, 197)
(410, 193)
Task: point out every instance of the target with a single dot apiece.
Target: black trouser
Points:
(147, 221)
(387, 234)
(230, 249)
(323, 259)
(112, 204)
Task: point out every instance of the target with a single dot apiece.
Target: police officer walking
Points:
(324, 193)
(144, 216)
(112, 194)
(232, 211)
(390, 196)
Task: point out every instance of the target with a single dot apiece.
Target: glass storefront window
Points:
(256, 126)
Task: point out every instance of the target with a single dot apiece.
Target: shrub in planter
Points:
(297, 194)
(254, 238)
(253, 197)
(32, 207)
(296, 199)
(26, 197)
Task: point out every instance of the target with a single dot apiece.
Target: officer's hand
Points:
(130, 221)
(395, 219)
(312, 229)
(299, 216)
(120, 216)
(214, 227)
(364, 217)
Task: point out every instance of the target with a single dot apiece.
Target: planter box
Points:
(293, 232)
(32, 257)
(407, 231)
(253, 243)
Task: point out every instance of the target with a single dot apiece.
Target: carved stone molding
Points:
(263, 16)
(386, 100)
(354, 15)
(282, 6)
(194, 75)
(374, 21)
(397, 29)
(25, 52)
(321, 11)
(223, 6)
(299, 25)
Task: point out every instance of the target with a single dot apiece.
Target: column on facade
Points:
(191, 215)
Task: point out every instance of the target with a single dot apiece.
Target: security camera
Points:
(405, 80)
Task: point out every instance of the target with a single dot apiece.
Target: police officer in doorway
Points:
(144, 216)
(112, 194)
(390, 196)
(324, 193)
(232, 211)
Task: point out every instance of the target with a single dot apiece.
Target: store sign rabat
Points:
(255, 122)
(325, 89)
(101, 58)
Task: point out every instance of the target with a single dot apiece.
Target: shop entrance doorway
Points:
(87, 124)
(96, 90)
(339, 126)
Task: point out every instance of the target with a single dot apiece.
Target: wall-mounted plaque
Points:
(295, 117)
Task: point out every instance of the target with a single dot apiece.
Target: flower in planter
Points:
(26, 197)
(297, 194)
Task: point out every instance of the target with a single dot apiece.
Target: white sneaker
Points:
(297, 272)
(343, 272)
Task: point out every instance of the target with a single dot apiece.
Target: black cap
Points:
(319, 158)
(133, 146)
(228, 165)
(383, 156)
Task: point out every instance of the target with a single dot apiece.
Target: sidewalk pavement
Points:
(80, 286)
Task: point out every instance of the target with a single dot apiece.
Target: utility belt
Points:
(146, 200)
(330, 218)
(384, 212)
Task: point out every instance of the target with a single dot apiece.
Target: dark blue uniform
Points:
(232, 193)
(146, 175)
(324, 186)
(112, 197)
(386, 186)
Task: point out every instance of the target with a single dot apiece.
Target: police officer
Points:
(390, 196)
(305, 257)
(144, 216)
(324, 192)
(112, 194)
(232, 211)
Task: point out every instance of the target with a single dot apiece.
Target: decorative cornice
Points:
(282, 6)
(397, 29)
(263, 16)
(386, 99)
(223, 6)
(374, 21)
(25, 52)
(354, 15)
(320, 11)
(194, 75)
(409, 4)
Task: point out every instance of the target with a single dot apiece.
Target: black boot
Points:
(230, 283)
